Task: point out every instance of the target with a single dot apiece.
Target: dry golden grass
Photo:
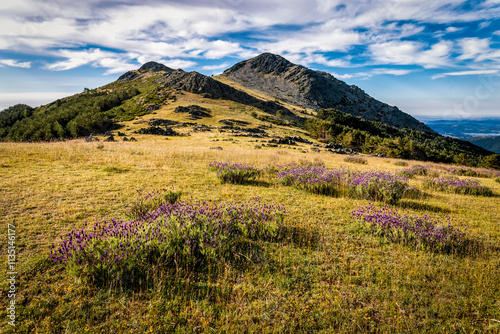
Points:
(350, 282)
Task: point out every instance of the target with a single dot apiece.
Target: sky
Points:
(431, 58)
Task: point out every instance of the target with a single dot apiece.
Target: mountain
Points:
(198, 83)
(263, 97)
(298, 85)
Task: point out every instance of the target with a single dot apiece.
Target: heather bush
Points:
(372, 185)
(377, 186)
(421, 232)
(401, 163)
(497, 179)
(191, 237)
(235, 173)
(413, 171)
(356, 160)
(316, 180)
(455, 185)
(460, 171)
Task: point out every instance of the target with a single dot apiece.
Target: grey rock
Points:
(194, 111)
(155, 130)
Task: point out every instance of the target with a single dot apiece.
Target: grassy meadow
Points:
(334, 277)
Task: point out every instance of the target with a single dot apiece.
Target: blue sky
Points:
(431, 58)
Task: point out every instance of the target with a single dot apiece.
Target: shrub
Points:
(401, 163)
(188, 237)
(235, 173)
(377, 186)
(413, 171)
(356, 160)
(371, 185)
(497, 179)
(314, 179)
(466, 172)
(455, 185)
(421, 232)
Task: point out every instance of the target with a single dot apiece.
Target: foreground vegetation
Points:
(302, 261)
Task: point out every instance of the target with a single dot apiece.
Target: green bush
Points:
(235, 173)
(356, 160)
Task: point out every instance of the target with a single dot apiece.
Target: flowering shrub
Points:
(460, 171)
(235, 173)
(372, 185)
(377, 186)
(413, 171)
(420, 231)
(153, 200)
(356, 160)
(458, 186)
(316, 180)
(191, 236)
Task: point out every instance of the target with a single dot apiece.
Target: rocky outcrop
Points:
(307, 88)
(158, 131)
(155, 67)
(194, 111)
(197, 83)
(144, 70)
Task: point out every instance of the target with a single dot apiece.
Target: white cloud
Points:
(412, 53)
(483, 25)
(178, 63)
(215, 67)
(192, 29)
(391, 71)
(473, 47)
(318, 39)
(33, 99)
(78, 58)
(462, 73)
(376, 71)
(15, 63)
(453, 29)
(342, 76)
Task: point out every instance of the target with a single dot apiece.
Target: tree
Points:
(58, 129)
(491, 161)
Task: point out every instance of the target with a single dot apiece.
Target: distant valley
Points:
(484, 132)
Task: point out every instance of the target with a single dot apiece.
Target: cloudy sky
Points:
(432, 58)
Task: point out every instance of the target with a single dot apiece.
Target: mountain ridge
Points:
(297, 84)
(153, 93)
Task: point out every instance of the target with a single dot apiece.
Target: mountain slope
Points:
(157, 97)
(307, 88)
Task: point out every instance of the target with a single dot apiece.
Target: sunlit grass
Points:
(338, 279)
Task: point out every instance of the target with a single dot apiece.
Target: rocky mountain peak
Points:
(307, 88)
(155, 67)
(265, 63)
(149, 67)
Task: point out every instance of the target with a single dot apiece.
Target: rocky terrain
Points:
(298, 85)
(207, 87)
